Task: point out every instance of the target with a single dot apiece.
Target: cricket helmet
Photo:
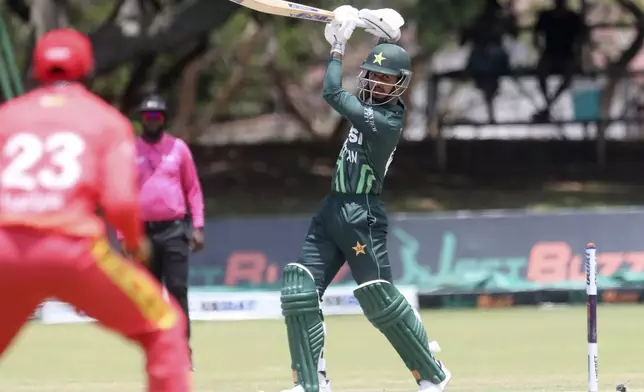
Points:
(387, 59)
(153, 103)
(63, 55)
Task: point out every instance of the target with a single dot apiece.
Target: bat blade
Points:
(288, 9)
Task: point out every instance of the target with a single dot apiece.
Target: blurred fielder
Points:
(64, 153)
(351, 224)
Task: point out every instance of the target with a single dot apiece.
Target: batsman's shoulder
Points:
(395, 116)
(390, 120)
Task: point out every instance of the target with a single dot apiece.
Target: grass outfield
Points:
(488, 351)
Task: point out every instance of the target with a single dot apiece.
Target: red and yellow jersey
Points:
(64, 153)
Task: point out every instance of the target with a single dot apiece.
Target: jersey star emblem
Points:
(378, 58)
(359, 248)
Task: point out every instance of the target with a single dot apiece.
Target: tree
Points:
(433, 25)
(217, 61)
(616, 70)
(133, 33)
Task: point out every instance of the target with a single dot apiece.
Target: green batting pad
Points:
(301, 310)
(389, 311)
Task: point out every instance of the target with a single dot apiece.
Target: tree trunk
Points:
(290, 105)
(137, 80)
(48, 15)
(225, 93)
(184, 23)
(189, 68)
(187, 101)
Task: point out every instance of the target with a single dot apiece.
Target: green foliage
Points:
(112, 86)
(292, 45)
(252, 96)
(89, 15)
(438, 19)
(138, 127)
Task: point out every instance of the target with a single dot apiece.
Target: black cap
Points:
(153, 103)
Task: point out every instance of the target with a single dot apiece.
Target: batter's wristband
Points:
(338, 47)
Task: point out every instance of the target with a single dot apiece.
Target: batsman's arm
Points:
(336, 96)
(348, 105)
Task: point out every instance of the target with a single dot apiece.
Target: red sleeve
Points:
(191, 186)
(119, 193)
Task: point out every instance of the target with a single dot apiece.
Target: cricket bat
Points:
(291, 10)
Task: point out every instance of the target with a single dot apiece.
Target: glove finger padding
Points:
(346, 31)
(330, 32)
(385, 23)
(344, 13)
(345, 20)
(390, 37)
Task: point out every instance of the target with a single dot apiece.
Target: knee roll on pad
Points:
(301, 311)
(388, 310)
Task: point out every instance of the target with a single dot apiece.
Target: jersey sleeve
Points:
(363, 117)
(191, 186)
(119, 193)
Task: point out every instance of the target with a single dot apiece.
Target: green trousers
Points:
(347, 228)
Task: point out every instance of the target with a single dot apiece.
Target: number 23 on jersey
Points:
(49, 162)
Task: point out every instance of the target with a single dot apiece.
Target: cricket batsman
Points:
(351, 223)
(64, 154)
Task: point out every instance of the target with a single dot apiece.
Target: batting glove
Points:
(339, 31)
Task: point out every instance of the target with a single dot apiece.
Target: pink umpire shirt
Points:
(168, 181)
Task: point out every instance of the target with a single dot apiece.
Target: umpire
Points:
(171, 200)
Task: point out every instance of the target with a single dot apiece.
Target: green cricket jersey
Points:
(369, 148)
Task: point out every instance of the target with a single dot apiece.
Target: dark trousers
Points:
(169, 263)
(351, 229)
